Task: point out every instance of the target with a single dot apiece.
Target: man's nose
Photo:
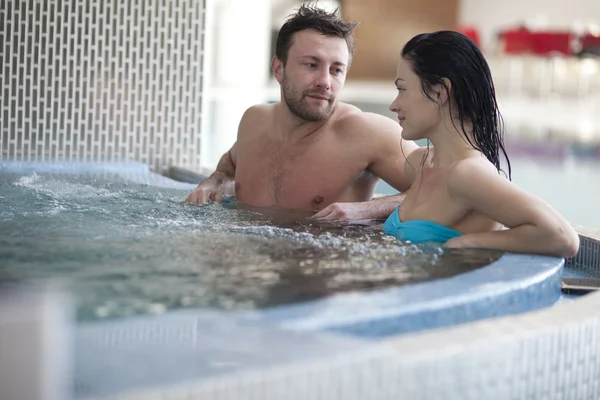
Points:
(324, 79)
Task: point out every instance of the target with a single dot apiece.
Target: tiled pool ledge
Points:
(224, 351)
(133, 171)
(552, 353)
(512, 284)
(588, 258)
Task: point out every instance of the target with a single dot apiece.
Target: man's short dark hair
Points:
(311, 17)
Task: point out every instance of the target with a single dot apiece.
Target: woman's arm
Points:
(534, 226)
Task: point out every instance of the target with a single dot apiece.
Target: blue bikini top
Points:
(417, 231)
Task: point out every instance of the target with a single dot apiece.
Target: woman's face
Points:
(417, 113)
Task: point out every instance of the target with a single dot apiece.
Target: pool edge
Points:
(553, 351)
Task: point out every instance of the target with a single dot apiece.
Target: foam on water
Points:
(127, 248)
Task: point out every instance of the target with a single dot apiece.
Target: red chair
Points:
(590, 43)
(517, 41)
(547, 43)
(471, 32)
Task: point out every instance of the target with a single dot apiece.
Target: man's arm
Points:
(219, 184)
(379, 208)
(222, 182)
(391, 158)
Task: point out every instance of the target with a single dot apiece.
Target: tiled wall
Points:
(102, 80)
(588, 258)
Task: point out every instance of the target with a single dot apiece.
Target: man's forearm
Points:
(224, 175)
(382, 207)
(379, 208)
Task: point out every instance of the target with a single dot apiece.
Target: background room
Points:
(543, 55)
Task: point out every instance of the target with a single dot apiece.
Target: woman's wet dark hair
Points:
(452, 55)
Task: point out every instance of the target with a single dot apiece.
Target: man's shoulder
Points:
(252, 122)
(258, 111)
(353, 119)
(255, 117)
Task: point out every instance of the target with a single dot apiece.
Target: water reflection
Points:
(125, 249)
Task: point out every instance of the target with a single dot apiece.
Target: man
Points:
(309, 151)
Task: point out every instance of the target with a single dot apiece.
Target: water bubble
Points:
(132, 249)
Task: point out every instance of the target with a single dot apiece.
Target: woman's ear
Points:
(442, 91)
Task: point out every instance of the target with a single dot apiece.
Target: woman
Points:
(458, 196)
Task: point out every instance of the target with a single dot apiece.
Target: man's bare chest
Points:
(294, 179)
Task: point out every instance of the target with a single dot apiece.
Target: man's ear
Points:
(277, 67)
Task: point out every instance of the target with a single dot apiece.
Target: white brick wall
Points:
(103, 81)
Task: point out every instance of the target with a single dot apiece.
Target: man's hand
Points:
(379, 208)
(206, 192)
(345, 212)
(220, 184)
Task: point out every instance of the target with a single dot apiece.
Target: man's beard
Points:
(297, 105)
